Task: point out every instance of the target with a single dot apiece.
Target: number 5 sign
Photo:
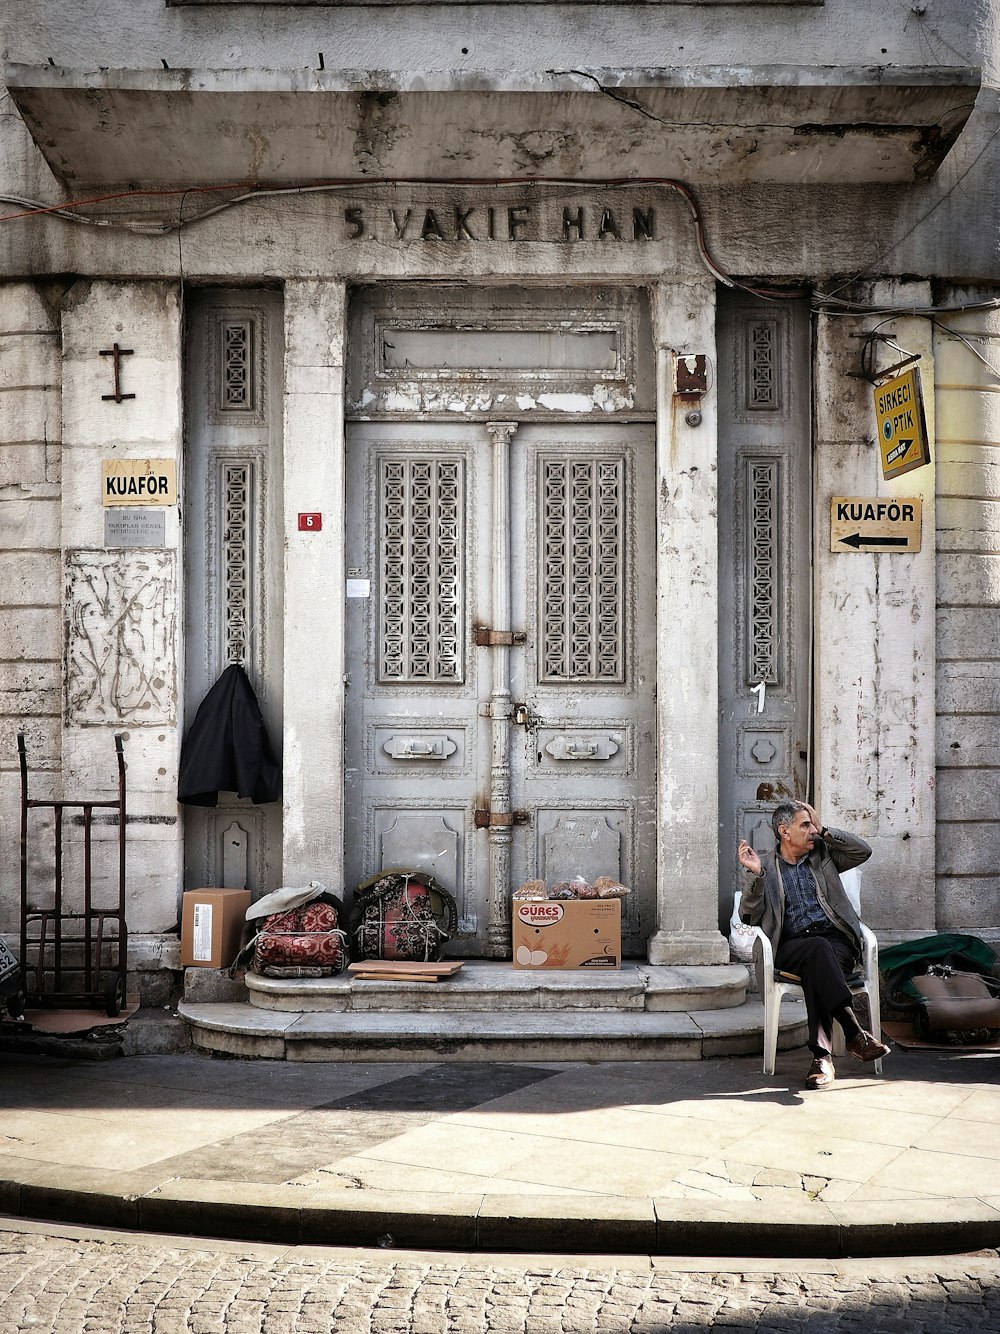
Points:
(310, 523)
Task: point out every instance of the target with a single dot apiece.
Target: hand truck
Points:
(91, 945)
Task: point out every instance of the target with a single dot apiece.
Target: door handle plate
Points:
(437, 746)
(590, 747)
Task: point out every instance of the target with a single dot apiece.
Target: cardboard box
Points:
(567, 933)
(212, 923)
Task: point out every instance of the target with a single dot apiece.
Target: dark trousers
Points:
(823, 962)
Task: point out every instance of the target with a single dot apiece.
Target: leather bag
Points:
(954, 1001)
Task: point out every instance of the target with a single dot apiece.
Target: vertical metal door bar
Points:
(23, 762)
(57, 923)
(88, 981)
(122, 929)
(498, 931)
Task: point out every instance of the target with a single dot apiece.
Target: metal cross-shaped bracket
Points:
(117, 353)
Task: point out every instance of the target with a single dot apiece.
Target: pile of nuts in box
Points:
(602, 888)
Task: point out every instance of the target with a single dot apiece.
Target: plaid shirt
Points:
(802, 909)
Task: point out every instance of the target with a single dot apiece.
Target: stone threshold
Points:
(498, 986)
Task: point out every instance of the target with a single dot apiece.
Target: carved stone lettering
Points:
(431, 230)
(552, 222)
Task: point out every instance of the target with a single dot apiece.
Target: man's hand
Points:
(747, 857)
(813, 816)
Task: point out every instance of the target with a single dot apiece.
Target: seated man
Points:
(796, 897)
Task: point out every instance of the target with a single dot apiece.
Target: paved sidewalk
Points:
(702, 1157)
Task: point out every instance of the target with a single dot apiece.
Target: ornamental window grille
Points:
(763, 388)
(582, 564)
(762, 566)
(237, 389)
(237, 500)
(422, 576)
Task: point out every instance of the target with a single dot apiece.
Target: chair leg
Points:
(772, 1005)
(875, 1014)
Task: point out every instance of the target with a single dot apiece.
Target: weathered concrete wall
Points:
(875, 644)
(968, 676)
(874, 631)
(778, 231)
(124, 603)
(30, 565)
(489, 37)
(90, 633)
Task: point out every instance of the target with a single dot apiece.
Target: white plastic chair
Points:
(777, 985)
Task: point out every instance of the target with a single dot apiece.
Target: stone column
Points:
(315, 335)
(874, 626)
(687, 686)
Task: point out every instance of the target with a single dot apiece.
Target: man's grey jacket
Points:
(763, 900)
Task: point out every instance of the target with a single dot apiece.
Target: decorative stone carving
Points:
(121, 609)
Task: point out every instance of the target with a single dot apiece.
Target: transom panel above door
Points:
(501, 651)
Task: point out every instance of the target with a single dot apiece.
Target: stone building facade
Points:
(510, 361)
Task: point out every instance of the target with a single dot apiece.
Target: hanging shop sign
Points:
(139, 481)
(875, 523)
(902, 430)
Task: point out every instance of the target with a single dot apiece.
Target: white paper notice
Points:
(201, 936)
(359, 588)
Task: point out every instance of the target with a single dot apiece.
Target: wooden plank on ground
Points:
(446, 968)
(397, 977)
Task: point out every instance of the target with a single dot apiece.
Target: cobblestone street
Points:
(66, 1281)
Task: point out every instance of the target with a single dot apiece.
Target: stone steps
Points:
(488, 1011)
(487, 987)
(551, 1035)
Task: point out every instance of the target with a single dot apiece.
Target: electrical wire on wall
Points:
(247, 192)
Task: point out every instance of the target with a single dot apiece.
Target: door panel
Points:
(764, 548)
(233, 557)
(417, 513)
(584, 760)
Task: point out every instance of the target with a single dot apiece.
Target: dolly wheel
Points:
(114, 995)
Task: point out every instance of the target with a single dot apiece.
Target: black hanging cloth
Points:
(227, 748)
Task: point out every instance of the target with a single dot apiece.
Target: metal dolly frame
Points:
(103, 984)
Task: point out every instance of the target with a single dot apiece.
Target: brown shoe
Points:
(867, 1048)
(821, 1073)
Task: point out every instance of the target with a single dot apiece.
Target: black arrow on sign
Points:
(899, 452)
(856, 540)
